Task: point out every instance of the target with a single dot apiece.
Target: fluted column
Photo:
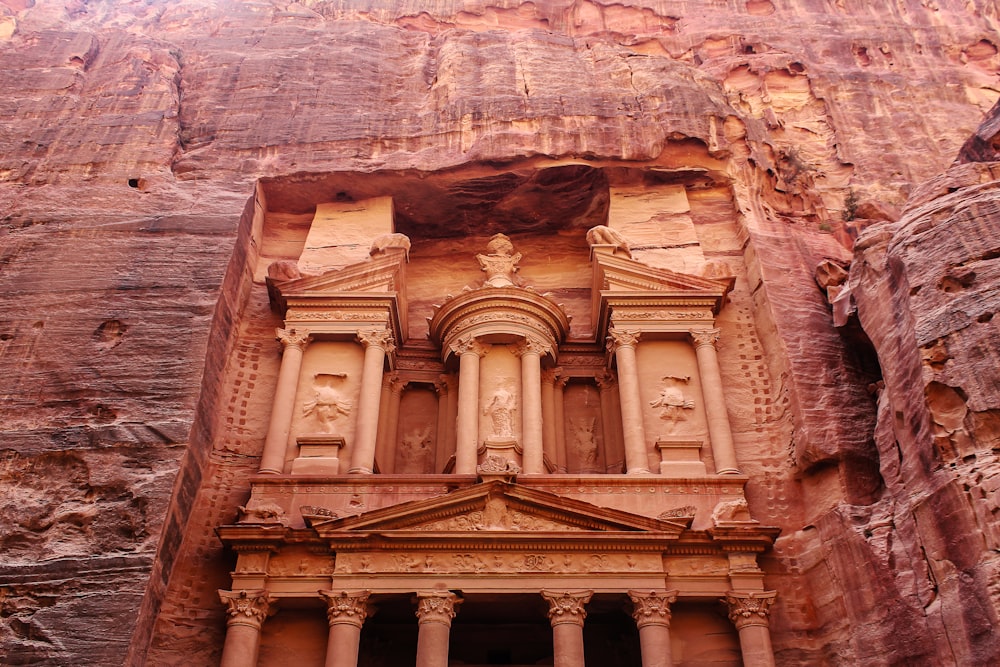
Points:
(750, 612)
(530, 350)
(651, 612)
(613, 452)
(245, 611)
(445, 420)
(377, 343)
(623, 344)
(276, 443)
(560, 415)
(346, 612)
(470, 351)
(435, 609)
(566, 614)
(719, 430)
(396, 387)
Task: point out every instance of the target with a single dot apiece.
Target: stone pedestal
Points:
(319, 454)
(435, 610)
(566, 614)
(680, 457)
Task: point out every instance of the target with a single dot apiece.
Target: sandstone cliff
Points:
(133, 133)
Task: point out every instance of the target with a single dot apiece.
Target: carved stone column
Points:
(377, 343)
(396, 387)
(566, 614)
(614, 454)
(548, 379)
(445, 420)
(276, 443)
(470, 351)
(719, 431)
(749, 612)
(559, 395)
(382, 436)
(623, 344)
(346, 612)
(246, 611)
(530, 350)
(651, 612)
(435, 610)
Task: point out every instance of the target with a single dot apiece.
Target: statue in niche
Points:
(500, 264)
(584, 441)
(326, 405)
(673, 402)
(501, 411)
(415, 450)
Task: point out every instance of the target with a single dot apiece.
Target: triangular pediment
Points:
(381, 274)
(496, 506)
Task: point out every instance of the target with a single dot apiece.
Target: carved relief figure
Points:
(415, 450)
(584, 441)
(327, 405)
(501, 262)
(673, 401)
(501, 410)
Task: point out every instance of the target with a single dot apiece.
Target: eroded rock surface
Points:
(133, 134)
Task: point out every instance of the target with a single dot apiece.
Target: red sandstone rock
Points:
(132, 134)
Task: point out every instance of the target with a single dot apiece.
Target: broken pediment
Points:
(650, 298)
(496, 506)
(368, 292)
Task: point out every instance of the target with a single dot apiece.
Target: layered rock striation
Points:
(132, 135)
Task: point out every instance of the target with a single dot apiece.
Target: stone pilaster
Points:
(377, 343)
(245, 614)
(276, 442)
(444, 388)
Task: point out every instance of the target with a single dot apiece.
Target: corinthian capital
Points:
(437, 607)
(703, 337)
(293, 338)
(247, 607)
(378, 337)
(752, 608)
(468, 344)
(530, 345)
(567, 606)
(652, 608)
(350, 607)
(617, 338)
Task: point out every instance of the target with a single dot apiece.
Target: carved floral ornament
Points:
(751, 608)
(652, 608)
(568, 606)
(622, 338)
(247, 607)
(437, 607)
(292, 337)
(378, 337)
(470, 345)
(350, 607)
